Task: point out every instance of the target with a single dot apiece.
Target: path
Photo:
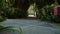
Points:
(33, 26)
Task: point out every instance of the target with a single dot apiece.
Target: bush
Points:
(47, 12)
(2, 19)
(10, 30)
(12, 12)
(19, 13)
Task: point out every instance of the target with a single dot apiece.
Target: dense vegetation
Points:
(47, 12)
(18, 8)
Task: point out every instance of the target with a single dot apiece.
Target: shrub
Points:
(12, 12)
(47, 12)
(19, 13)
(2, 19)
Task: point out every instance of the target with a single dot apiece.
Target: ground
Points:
(33, 26)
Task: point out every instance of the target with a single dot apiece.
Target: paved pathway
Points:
(33, 26)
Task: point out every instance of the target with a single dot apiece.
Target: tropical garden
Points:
(16, 9)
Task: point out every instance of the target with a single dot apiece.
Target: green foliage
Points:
(12, 12)
(19, 12)
(9, 29)
(2, 19)
(7, 11)
(47, 12)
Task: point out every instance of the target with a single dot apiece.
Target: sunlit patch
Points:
(31, 11)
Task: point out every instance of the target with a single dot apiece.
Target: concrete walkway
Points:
(33, 26)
